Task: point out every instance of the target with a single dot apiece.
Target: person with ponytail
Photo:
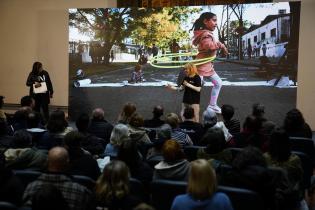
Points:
(207, 46)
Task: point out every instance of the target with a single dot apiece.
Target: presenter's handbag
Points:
(41, 89)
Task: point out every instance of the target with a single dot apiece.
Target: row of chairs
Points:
(163, 192)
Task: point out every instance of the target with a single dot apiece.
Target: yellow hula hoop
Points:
(162, 60)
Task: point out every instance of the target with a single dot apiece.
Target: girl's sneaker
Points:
(215, 108)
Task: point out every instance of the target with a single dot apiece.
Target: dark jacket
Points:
(32, 78)
(83, 164)
(11, 189)
(193, 129)
(101, 129)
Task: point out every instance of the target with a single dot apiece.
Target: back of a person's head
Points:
(21, 139)
(227, 111)
(258, 110)
(128, 153)
(58, 159)
(136, 120)
(164, 132)
(158, 111)
(82, 123)
(172, 151)
(114, 182)
(209, 117)
(279, 146)
(49, 197)
(33, 120)
(172, 119)
(73, 140)
(293, 120)
(189, 113)
(98, 114)
(252, 124)
(119, 134)
(129, 109)
(202, 182)
(57, 121)
(214, 140)
(249, 156)
(27, 101)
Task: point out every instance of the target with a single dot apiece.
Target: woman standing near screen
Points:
(207, 47)
(39, 77)
(192, 86)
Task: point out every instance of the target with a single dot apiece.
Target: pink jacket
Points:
(207, 47)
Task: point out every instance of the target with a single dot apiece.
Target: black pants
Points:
(41, 102)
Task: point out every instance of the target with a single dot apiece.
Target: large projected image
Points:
(118, 55)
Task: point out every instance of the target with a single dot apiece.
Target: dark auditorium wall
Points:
(38, 30)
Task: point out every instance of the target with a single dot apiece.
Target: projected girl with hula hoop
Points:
(207, 47)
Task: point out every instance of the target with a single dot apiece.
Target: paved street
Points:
(228, 72)
(277, 100)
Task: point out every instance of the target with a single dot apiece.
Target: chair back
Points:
(164, 192)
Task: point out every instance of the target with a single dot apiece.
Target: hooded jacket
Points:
(207, 47)
(173, 171)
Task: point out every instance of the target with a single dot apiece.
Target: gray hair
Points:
(119, 134)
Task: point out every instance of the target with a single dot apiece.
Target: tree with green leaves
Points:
(109, 25)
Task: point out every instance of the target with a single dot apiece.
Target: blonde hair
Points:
(202, 182)
(113, 183)
(192, 69)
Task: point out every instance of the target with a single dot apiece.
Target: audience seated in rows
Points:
(215, 150)
(119, 134)
(190, 127)
(156, 121)
(22, 155)
(112, 188)
(90, 142)
(81, 162)
(182, 138)
(233, 125)
(201, 191)
(99, 126)
(250, 171)
(174, 166)
(77, 196)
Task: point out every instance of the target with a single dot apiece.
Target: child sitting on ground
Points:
(137, 75)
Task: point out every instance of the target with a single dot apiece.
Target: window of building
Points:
(263, 36)
(255, 38)
(273, 32)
